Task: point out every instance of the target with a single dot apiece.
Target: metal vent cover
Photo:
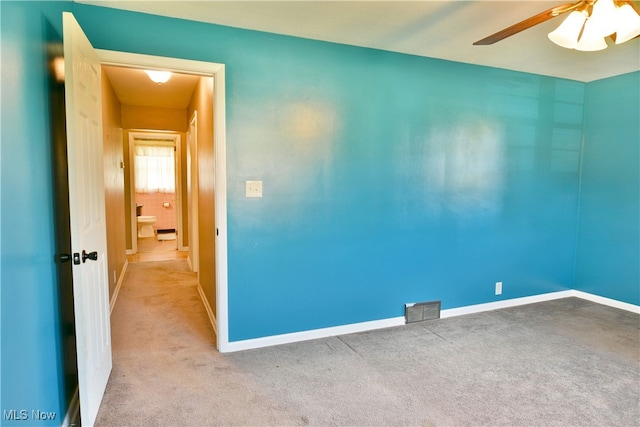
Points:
(420, 311)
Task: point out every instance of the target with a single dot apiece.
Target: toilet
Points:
(145, 225)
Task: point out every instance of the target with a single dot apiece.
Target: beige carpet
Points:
(561, 363)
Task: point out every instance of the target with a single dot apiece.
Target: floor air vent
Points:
(421, 311)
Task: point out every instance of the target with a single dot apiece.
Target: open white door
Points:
(87, 213)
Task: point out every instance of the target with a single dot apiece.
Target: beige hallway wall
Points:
(113, 182)
(202, 102)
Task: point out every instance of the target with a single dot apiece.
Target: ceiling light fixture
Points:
(587, 27)
(158, 76)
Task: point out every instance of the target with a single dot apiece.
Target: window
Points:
(154, 169)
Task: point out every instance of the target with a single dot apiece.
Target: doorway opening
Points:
(155, 188)
(210, 211)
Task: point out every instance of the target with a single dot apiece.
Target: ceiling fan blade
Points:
(528, 23)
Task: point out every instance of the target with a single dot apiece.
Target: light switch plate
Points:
(253, 188)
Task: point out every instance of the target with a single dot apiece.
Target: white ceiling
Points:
(133, 87)
(436, 29)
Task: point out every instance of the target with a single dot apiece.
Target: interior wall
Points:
(608, 258)
(32, 368)
(388, 178)
(114, 173)
(154, 118)
(202, 102)
(154, 204)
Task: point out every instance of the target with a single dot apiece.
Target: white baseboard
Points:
(207, 307)
(398, 321)
(73, 412)
(513, 302)
(607, 301)
(312, 334)
(116, 291)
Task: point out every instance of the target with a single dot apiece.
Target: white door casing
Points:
(216, 70)
(192, 192)
(161, 135)
(179, 188)
(87, 217)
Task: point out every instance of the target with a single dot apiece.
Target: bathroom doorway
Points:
(156, 184)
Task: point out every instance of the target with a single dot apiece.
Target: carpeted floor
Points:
(567, 362)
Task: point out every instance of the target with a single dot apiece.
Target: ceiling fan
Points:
(582, 11)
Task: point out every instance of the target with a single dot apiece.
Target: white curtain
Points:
(154, 169)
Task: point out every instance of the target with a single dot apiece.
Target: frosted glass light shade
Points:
(591, 39)
(604, 18)
(566, 35)
(159, 76)
(628, 24)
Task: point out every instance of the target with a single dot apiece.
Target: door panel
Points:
(87, 216)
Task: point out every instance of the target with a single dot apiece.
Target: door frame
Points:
(217, 71)
(168, 135)
(192, 192)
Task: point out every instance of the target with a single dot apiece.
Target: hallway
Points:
(160, 332)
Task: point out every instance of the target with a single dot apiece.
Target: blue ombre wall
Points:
(387, 179)
(32, 376)
(608, 256)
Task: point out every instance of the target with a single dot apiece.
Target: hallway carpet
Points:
(567, 362)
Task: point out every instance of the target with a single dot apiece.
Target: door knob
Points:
(93, 256)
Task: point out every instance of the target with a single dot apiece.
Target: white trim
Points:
(179, 185)
(192, 186)
(133, 207)
(399, 321)
(135, 60)
(207, 307)
(116, 291)
(73, 412)
(607, 301)
(314, 334)
(514, 302)
(220, 194)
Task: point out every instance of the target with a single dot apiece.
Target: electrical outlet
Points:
(498, 288)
